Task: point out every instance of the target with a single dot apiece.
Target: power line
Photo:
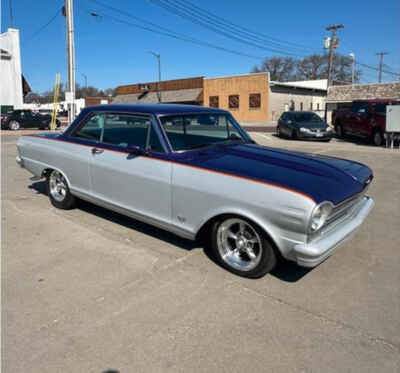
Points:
(377, 69)
(258, 35)
(222, 29)
(175, 35)
(40, 29)
(381, 54)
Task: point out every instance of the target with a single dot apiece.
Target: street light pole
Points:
(353, 56)
(158, 56)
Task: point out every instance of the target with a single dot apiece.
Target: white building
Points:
(11, 89)
(301, 95)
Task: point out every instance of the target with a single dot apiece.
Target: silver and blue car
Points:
(195, 172)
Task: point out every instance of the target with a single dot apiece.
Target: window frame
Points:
(235, 124)
(258, 95)
(213, 97)
(238, 102)
(153, 123)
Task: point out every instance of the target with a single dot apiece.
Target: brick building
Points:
(245, 96)
(178, 91)
(251, 98)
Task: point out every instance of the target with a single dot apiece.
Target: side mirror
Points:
(136, 150)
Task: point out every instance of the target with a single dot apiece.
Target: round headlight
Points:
(319, 216)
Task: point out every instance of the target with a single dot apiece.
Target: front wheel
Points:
(58, 191)
(241, 247)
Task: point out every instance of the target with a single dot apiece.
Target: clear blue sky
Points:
(112, 54)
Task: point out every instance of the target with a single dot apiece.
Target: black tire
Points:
(377, 138)
(266, 255)
(278, 131)
(14, 125)
(339, 130)
(68, 201)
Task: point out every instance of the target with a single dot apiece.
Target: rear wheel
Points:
(339, 130)
(14, 125)
(58, 191)
(377, 138)
(241, 247)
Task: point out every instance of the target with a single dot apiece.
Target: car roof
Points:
(158, 109)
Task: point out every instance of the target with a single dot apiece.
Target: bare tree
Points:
(312, 67)
(280, 68)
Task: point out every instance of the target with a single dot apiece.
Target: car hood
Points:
(322, 178)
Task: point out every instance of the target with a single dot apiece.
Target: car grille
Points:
(342, 209)
(339, 213)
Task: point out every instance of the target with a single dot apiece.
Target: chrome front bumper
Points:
(20, 161)
(313, 253)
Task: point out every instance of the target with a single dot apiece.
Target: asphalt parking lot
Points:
(88, 290)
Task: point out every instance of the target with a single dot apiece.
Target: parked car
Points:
(365, 119)
(305, 125)
(27, 119)
(163, 165)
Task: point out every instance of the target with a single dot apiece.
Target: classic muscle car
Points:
(195, 172)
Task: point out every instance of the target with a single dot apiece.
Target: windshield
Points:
(192, 131)
(307, 117)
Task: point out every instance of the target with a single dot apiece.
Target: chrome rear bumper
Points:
(313, 253)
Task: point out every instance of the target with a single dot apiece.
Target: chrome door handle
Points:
(97, 151)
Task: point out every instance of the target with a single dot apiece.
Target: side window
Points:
(126, 130)
(154, 141)
(92, 128)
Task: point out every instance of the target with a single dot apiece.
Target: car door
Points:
(361, 120)
(122, 175)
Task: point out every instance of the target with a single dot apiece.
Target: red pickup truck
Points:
(365, 118)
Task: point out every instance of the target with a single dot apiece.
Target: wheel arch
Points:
(47, 170)
(205, 227)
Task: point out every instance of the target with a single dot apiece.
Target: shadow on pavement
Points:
(40, 187)
(285, 271)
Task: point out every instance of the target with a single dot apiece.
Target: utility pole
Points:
(353, 56)
(158, 56)
(11, 14)
(70, 94)
(381, 54)
(332, 45)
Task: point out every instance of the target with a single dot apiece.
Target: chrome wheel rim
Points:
(239, 245)
(14, 125)
(58, 186)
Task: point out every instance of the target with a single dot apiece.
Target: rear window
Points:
(380, 107)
